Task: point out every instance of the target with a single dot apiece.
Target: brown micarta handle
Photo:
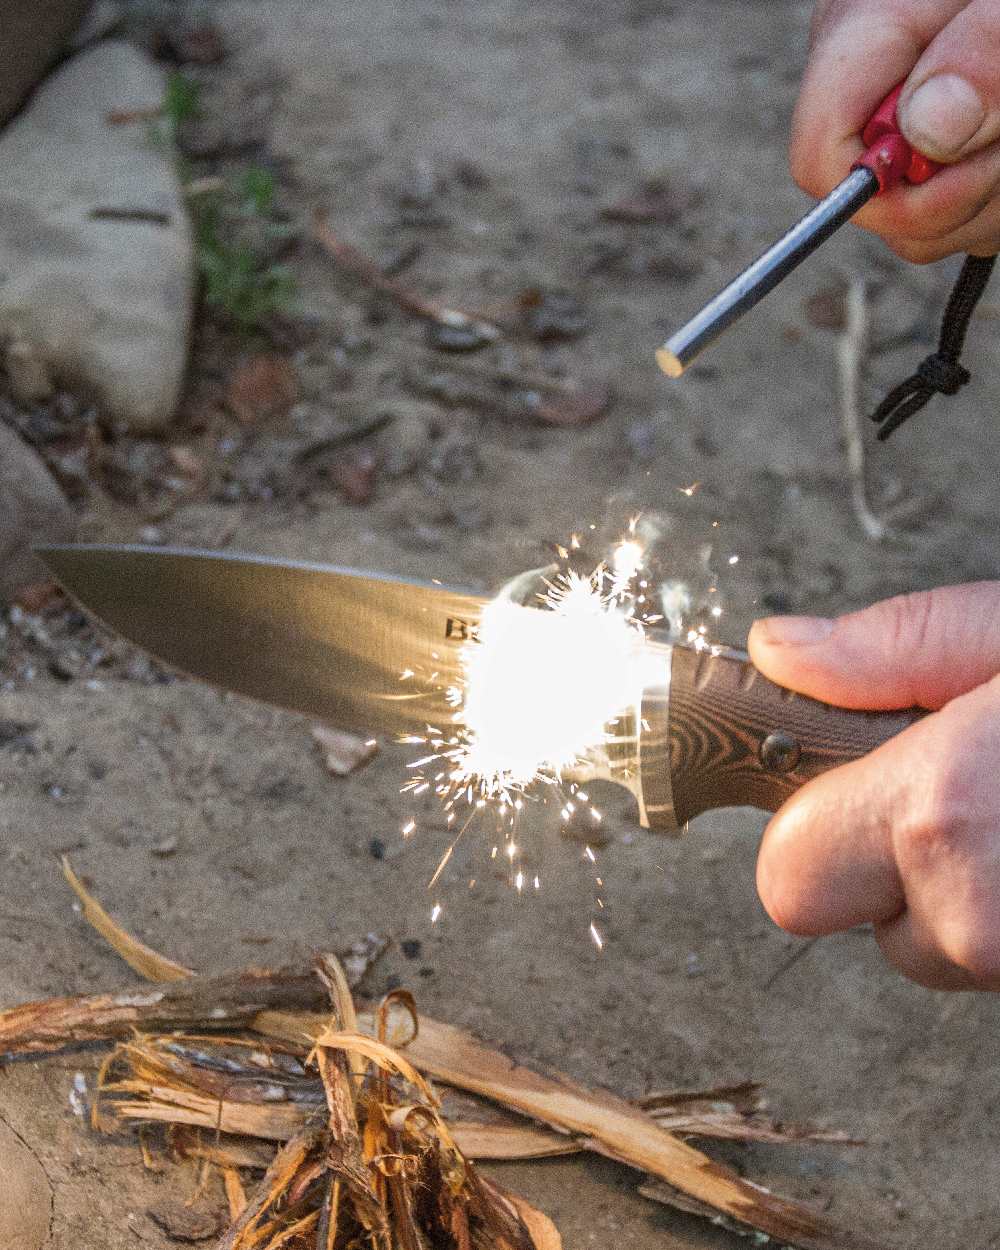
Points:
(738, 740)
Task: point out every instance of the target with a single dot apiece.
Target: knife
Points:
(376, 654)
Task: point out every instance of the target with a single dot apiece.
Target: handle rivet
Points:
(780, 752)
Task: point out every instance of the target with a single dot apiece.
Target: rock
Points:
(96, 258)
(34, 510)
(458, 338)
(343, 752)
(33, 37)
(25, 1194)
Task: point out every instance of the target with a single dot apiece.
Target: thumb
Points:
(950, 106)
(918, 650)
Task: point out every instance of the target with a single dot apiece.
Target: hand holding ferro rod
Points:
(889, 161)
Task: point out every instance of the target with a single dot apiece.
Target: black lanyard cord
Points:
(941, 373)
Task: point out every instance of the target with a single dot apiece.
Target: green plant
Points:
(236, 232)
(181, 102)
(257, 189)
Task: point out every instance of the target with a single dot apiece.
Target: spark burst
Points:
(540, 687)
(543, 685)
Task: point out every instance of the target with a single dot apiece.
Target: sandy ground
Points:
(551, 110)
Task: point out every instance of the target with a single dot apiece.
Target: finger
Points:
(980, 235)
(827, 859)
(950, 105)
(918, 650)
(859, 52)
(913, 951)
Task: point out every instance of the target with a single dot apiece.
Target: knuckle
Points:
(911, 621)
(938, 818)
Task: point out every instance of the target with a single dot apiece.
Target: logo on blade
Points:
(461, 631)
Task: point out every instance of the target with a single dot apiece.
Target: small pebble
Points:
(376, 848)
(461, 338)
(411, 947)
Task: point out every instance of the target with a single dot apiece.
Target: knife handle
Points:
(737, 739)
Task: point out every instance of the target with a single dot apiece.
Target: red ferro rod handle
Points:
(890, 157)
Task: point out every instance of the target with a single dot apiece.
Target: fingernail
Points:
(942, 115)
(794, 631)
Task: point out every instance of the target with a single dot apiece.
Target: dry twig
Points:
(231, 1000)
(850, 357)
(368, 272)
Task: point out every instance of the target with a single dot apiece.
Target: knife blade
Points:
(366, 652)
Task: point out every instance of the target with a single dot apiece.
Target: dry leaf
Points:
(262, 389)
(543, 1232)
(142, 958)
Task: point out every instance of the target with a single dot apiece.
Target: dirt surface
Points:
(492, 135)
